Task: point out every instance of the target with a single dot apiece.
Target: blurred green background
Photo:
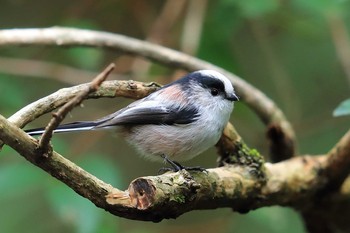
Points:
(297, 52)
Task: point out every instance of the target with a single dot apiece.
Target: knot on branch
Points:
(142, 193)
(148, 192)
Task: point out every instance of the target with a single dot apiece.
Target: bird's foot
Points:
(175, 167)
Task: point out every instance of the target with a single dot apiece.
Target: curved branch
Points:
(265, 108)
(154, 198)
(110, 89)
(170, 195)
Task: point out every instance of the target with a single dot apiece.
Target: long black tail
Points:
(70, 127)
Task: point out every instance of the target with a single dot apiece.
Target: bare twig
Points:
(44, 143)
(265, 108)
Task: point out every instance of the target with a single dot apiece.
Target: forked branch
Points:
(154, 198)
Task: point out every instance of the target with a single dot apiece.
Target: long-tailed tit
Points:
(177, 122)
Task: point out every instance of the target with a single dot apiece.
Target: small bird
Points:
(177, 122)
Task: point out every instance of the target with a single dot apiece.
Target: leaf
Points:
(343, 109)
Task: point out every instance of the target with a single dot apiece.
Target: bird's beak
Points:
(232, 97)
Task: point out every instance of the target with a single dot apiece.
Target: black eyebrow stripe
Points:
(203, 79)
(213, 83)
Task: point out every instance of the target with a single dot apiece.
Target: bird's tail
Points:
(70, 127)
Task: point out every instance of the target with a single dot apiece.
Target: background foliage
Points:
(297, 52)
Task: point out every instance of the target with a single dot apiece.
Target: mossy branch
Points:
(153, 198)
(247, 184)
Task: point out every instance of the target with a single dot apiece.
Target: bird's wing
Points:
(149, 112)
(138, 113)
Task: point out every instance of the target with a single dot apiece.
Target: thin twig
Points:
(44, 143)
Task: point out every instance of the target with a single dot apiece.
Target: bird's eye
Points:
(214, 91)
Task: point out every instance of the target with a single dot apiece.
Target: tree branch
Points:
(289, 183)
(264, 107)
(241, 187)
(154, 198)
(110, 89)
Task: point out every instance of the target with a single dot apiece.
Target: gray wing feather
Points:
(149, 112)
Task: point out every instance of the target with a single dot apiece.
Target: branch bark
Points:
(293, 182)
(110, 89)
(154, 198)
(264, 107)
